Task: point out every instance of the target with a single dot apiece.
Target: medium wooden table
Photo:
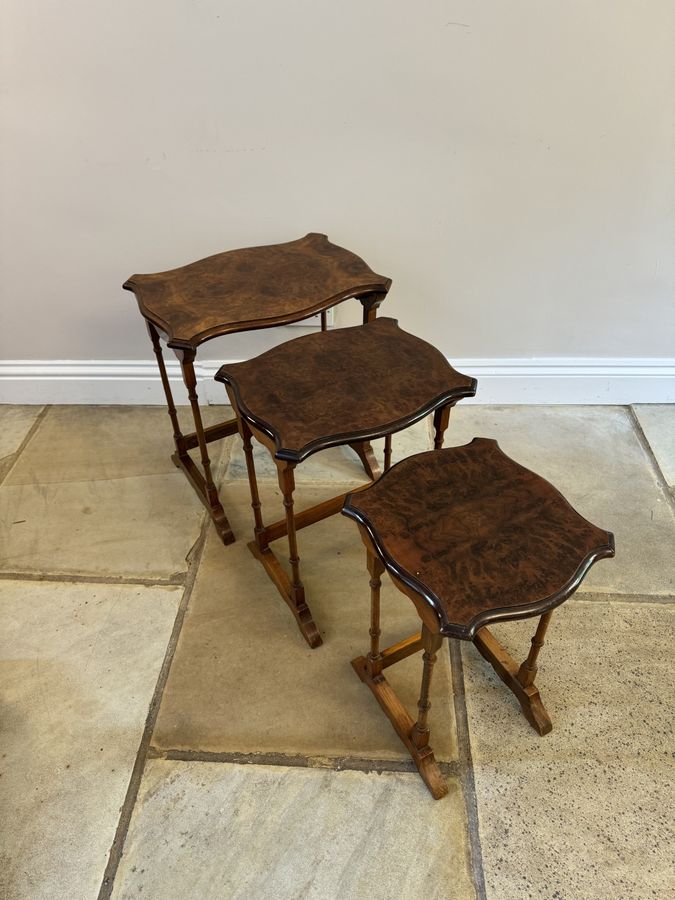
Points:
(325, 390)
(472, 537)
(242, 290)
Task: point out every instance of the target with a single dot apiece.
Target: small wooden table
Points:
(324, 390)
(472, 538)
(242, 290)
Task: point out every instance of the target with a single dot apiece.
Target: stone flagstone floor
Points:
(166, 733)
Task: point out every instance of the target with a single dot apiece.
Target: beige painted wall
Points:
(510, 163)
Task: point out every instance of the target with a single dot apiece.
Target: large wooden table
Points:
(242, 290)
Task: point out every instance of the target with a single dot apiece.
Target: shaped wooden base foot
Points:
(294, 599)
(212, 504)
(365, 453)
(510, 673)
(222, 525)
(403, 725)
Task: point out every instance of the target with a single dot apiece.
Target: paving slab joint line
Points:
(26, 441)
(466, 770)
(647, 447)
(617, 597)
(177, 580)
(300, 761)
(117, 848)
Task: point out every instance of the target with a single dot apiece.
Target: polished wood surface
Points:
(240, 290)
(477, 536)
(471, 537)
(255, 287)
(324, 390)
(336, 387)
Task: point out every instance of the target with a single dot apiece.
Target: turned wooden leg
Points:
(287, 485)
(431, 643)
(209, 491)
(259, 529)
(171, 408)
(528, 669)
(520, 679)
(422, 753)
(387, 453)
(441, 419)
(376, 568)
(324, 320)
(187, 365)
(294, 592)
(414, 735)
(363, 449)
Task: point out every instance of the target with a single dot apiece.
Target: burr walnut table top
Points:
(256, 287)
(477, 536)
(337, 387)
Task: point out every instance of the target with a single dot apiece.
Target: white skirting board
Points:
(545, 380)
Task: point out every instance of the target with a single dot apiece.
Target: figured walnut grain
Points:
(476, 535)
(340, 386)
(255, 287)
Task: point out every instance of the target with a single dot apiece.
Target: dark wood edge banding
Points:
(257, 324)
(336, 440)
(380, 284)
(372, 434)
(449, 397)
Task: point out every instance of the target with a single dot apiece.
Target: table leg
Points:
(376, 568)
(185, 442)
(370, 304)
(431, 642)
(520, 679)
(292, 590)
(286, 475)
(528, 669)
(178, 438)
(205, 486)
(364, 449)
(287, 484)
(387, 453)
(414, 735)
(441, 420)
(366, 454)
(260, 534)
